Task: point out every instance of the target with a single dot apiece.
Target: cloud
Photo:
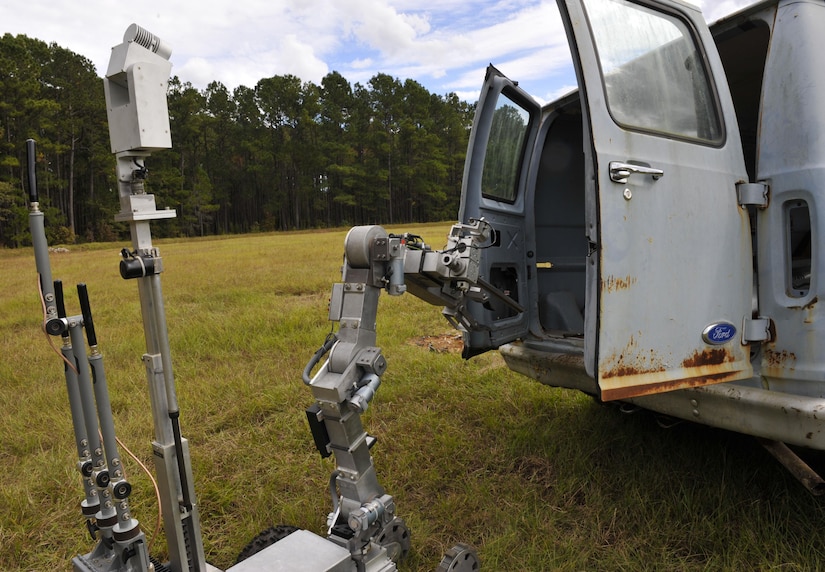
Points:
(442, 44)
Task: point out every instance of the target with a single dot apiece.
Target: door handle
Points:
(619, 172)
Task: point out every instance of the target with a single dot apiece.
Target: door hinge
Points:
(756, 194)
(759, 329)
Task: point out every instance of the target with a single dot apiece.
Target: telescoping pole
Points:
(54, 323)
(126, 530)
(121, 545)
(135, 88)
(91, 504)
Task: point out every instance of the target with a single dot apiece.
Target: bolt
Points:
(696, 413)
(694, 403)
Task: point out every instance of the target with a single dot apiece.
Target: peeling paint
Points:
(618, 393)
(633, 375)
(708, 357)
(779, 359)
(614, 283)
(630, 363)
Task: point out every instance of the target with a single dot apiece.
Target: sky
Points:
(444, 45)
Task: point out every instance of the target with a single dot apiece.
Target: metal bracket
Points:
(756, 194)
(759, 329)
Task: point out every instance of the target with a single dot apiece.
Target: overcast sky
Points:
(443, 44)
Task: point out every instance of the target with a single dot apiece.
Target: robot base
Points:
(304, 551)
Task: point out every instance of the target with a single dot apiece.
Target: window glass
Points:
(799, 247)
(500, 176)
(654, 75)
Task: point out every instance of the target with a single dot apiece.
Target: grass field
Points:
(536, 478)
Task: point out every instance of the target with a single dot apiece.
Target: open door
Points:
(673, 275)
(501, 144)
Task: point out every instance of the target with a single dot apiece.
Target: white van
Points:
(659, 226)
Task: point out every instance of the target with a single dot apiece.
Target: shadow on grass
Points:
(547, 479)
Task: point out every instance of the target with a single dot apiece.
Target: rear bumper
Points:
(736, 406)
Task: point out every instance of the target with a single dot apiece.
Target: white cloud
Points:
(443, 44)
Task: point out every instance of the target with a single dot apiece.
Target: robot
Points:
(364, 532)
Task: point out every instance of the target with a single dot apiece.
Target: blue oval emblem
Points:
(719, 333)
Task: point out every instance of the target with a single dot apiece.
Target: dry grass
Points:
(536, 478)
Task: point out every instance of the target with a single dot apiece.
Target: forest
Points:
(282, 155)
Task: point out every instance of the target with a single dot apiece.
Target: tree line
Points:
(282, 155)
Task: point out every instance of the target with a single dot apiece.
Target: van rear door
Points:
(673, 274)
(495, 188)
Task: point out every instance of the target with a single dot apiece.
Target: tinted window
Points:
(799, 248)
(654, 75)
(500, 176)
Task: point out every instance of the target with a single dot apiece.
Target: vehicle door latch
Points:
(620, 172)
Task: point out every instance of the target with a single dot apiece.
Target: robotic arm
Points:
(364, 518)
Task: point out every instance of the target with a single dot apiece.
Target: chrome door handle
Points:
(619, 172)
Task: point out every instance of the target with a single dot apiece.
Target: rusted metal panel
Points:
(791, 148)
(641, 370)
(703, 367)
(649, 384)
(615, 283)
(674, 249)
(745, 407)
(560, 366)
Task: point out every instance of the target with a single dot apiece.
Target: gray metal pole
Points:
(171, 452)
(106, 517)
(52, 298)
(127, 529)
(91, 504)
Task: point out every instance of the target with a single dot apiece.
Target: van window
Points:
(654, 75)
(799, 248)
(505, 147)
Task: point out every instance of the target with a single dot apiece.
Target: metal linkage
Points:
(121, 544)
(363, 514)
(343, 388)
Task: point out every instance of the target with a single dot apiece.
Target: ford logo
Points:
(719, 333)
